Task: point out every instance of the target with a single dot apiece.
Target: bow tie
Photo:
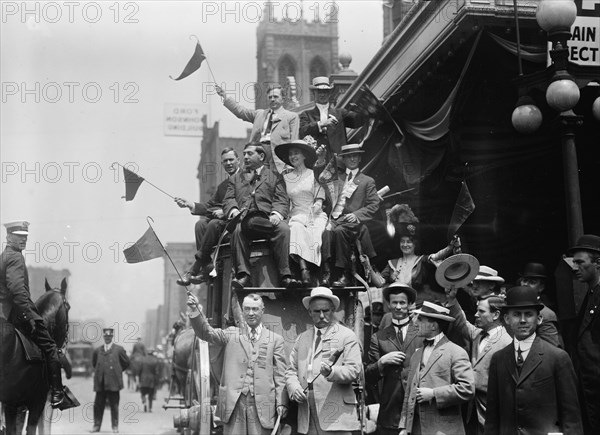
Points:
(428, 342)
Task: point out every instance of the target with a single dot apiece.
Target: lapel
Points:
(411, 334)
(263, 176)
(326, 341)
(510, 363)
(245, 340)
(534, 359)
(587, 318)
(488, 346)
(390, 335)
(436, 354)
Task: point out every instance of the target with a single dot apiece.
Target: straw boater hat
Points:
(429, 309)
(398, 287)
(587, 242)
(522, 297)
(488, 274)
(20, 228)
(321, 83)
(283, 152)
(321, 292)
(534, 270)
(457, 271)
(351, 148)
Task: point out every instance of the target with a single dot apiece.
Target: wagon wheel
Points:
(197, 391)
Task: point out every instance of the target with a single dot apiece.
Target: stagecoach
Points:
(284, 314)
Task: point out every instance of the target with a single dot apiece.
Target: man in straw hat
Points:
(326, 123)
(440, 378)
(586, 260)
(532, 386)
(324, 362)
(486, 282)
(389, 354)
(357, 203)
(18, 310)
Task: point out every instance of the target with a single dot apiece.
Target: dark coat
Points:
(108, 368)
(335, 135)
(149, 372)
(542, 399)
(394, 378)
(268, 193)
(214, 203)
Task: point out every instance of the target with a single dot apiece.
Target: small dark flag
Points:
(193, 64)
(462, 210)
(146, 248)
(132, 183)
(367, 104)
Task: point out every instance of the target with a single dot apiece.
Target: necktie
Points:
(349, 178)
(428, 342)
(253, 335)
(318, 340)
(520, 360)
(399, 334)
(269, 123)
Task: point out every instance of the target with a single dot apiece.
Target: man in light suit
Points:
(440, 379)
(389, 354)
(532, 388)
(485, 338)
(109, 361)
(270, 127)
(259, 195)
(252, 387)
(356, 203)
(324, 362)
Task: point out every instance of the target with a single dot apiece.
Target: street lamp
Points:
(562, 94)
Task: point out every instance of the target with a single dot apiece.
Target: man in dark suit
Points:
(389, 354)
(211, 222)
(270, 127)
(326, 123)
(356, 203)
(259, 195)
(532, 388)
(586, 260)
(109, 361)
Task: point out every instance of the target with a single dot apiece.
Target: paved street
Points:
(132, 418)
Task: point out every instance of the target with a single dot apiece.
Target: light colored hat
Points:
(457, 271)
(488, 274)
(20, 228)
(321, 83)
(351, 148)
(396, 288)
(321, 292)
(429, 309)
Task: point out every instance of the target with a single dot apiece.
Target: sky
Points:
(84, 84)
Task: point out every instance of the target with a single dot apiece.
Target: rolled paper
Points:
(383, 191)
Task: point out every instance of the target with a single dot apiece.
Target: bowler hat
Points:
(534, 270)
(321, 83)
(352, 148)
(429, 309)
(457, 271)
(522, 297)
(283, 152)
(108, 331)
(396, 288)
(20, 228)
(256, 225)
(321, 292)
(587, 242)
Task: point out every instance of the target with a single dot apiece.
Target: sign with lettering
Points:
(183, 120)
(584, 46)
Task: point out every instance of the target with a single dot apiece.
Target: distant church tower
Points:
(300, 48)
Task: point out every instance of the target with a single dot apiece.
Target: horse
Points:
(25, 383)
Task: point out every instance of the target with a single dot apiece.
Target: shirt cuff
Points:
(231, 212)
(277, 214)
(320, 127)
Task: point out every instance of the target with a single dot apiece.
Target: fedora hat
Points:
(488, 274)
(522, 297)
(429, 309)
(283, 152)
(20, 228)
(587, 242)
(351, 148)
(254, 225)
(396, 288)
(321, 82)
(457, 271)
(321, 292)
(534, 270)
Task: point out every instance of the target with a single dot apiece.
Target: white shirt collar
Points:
(323, 106)
(258, 329)
(525, 344)
(259, 170)
(353, 171)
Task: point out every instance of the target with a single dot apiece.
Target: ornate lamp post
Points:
(562, 94)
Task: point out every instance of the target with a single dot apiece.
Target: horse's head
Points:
(54, 309)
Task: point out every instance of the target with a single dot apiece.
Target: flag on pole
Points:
(193, 64)
(132, 183)
(462, 210)
(366, 103)
(146, 248)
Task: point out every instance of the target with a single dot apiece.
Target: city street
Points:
(132, 418)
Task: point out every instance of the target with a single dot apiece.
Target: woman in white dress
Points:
(306, 218)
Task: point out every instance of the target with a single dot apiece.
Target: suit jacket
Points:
(479, 361)
(269, 193)
(149, 372)
(393, 377)
(335, 135)
(214, 203)
(542, 399)
(108, 368)
(284, 129)
(268, 370)
(448, 371)
(364, 202)
(334, 396)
